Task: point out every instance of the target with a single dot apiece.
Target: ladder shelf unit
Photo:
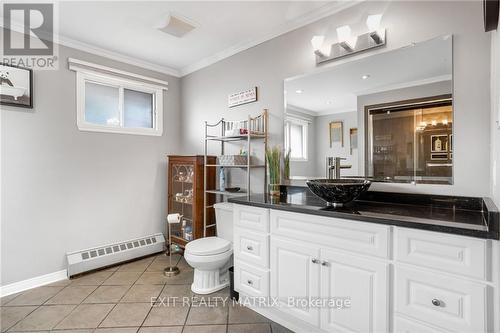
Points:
(250, 130)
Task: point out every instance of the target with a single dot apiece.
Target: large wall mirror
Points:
(389, 117)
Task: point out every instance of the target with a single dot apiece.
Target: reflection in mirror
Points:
(388, 117)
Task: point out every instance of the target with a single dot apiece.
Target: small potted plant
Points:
(273, 157)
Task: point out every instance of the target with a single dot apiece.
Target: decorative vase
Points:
(274, 189)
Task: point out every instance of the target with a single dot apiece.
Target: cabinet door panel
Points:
(364, 282)
(295, 276)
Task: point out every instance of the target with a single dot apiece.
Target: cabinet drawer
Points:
(251, 280)
(252, 217)
(403, 325)
(251, 247)
(361, 237)
(454, 254)
(447, 302)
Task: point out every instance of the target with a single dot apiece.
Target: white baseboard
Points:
(38, 281)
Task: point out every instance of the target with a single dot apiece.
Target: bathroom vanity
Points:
(405, 263)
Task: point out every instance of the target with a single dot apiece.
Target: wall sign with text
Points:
(243, 97)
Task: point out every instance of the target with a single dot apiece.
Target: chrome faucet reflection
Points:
(333, 167)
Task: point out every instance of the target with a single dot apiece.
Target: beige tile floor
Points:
(119, 300)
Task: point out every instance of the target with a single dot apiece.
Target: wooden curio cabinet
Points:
(185, 195)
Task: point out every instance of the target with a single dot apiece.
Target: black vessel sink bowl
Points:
(338, 192)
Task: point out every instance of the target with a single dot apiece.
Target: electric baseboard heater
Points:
(106, 255)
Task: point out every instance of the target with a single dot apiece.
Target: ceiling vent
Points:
(177, 25)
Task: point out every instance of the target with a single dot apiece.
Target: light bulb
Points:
(445, 121)
(345, 39)
(317, 42)
(434, 123)
(344, 33)
(373, 22)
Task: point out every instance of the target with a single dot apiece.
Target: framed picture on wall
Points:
(336, 133)
(16, 86)
(439, 143)
(353, 139)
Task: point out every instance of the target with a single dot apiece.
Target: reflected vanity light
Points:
(349, 44)
(366, 76)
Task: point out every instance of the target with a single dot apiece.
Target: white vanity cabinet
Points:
(396, 279)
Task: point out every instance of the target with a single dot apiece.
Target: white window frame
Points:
(84, 76)
(304, 124)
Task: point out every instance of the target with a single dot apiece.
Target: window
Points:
(110, 103)
(296, 139)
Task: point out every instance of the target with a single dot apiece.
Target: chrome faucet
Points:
(333, 164)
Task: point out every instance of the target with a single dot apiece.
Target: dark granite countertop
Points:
(468, 216)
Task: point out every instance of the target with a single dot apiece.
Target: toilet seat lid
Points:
(208, 246)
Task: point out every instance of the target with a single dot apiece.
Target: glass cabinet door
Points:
(182, 200)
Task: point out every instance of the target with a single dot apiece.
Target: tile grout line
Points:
(37, 306)
(114, 306)
(76, 306)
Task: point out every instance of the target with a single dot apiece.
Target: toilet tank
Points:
(224, 220)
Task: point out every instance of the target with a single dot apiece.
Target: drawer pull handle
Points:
(325, 263)
(436, 302)
(249, 248)
(315, 261)
(250, 282)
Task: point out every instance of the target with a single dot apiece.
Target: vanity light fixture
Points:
(349, 44)
(366, 76)
(445, 121)
(434, 123)
(299, 91)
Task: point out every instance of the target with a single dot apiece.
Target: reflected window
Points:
(296, 139)
(411, 141)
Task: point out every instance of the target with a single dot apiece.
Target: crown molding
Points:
(72, 43)
(430, 80)
(85, 47)
(313, 16)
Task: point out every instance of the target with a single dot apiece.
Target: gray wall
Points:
(65, 190)
(204, 93)
(349, 120)
(495, 114)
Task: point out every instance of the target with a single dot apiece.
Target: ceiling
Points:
(128, 30)
(335, 89)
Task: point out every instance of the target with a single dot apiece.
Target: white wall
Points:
(495, 113)
(204, 93)
(65, 190)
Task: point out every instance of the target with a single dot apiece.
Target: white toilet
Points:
(211, 257)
